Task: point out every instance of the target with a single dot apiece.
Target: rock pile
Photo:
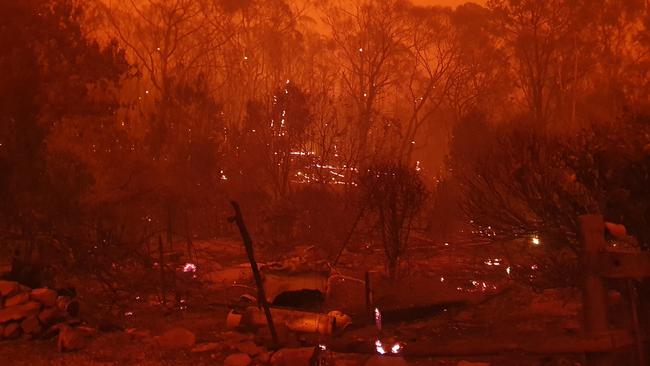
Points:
(33, 313)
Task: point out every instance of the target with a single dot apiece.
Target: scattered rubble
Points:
(33, 313)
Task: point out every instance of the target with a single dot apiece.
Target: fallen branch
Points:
(248, 243)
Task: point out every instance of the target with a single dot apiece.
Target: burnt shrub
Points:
(395, 194)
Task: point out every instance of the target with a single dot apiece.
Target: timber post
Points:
(592, 236)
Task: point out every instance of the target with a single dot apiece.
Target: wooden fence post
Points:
(592, 230)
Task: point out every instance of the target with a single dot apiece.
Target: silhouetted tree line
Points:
(125, 123)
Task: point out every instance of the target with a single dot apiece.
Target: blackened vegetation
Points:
(395, 195)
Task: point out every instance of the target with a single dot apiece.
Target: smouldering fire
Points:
(381, 349)
(378, 319)
(189, 267)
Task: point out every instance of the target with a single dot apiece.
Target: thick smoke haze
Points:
(234, 182)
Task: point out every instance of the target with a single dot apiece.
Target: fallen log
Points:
(295, 320)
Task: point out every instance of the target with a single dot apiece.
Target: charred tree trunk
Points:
(161, 263)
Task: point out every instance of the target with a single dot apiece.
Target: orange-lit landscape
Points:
(325, 182)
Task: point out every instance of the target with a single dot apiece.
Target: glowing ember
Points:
(380, 347)
(535, 240)
(378, 319)
(322, 347)
(508, 271)
(493, 262)
(396, 348)
(189, 267)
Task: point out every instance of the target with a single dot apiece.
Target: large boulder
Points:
(17, 299)
(237, 359)
(45, 296)
(20, 312)
(176, 338)
(8, 288)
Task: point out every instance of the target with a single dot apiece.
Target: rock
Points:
(378, 360)
(49, 316)
(45, 296)
(53, 331)
(235, 336)
(206, 347)
(249, 348)
(468, 363)
(17, 299)
(68, 304)
(19, 312)
(176, 338)
(31, 325)
(70, 339)
(138, 333)
(237, 359)
(8, 288)
(12, 331)
(292, 356)
(264, 357)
